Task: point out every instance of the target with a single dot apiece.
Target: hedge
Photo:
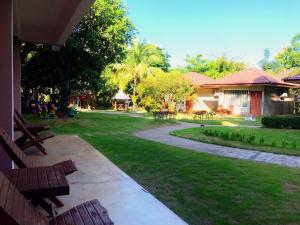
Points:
(285, 121)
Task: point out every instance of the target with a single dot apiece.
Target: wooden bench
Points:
(39, 183)
(22, 161)
(16, 210)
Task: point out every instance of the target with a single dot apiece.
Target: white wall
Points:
(204, 97)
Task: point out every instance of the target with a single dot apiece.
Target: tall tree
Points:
(266, 63)
(296, 42)
(100, 38)
(142, 60)
(287, 58)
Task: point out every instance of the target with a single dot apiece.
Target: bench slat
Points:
(60, 220)
(68, 218)
(93, 213)
(10, 198)
(84, 215)
(4, 191)
(32, 179)
(60, 177)
(76, 216)
(51, 177)
(102, 212)
(22, 181)
(42, 177)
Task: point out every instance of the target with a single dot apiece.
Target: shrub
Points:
(285, 121)
(261, 140)
(232, 136)
(250, 138)
(206, 132)
(284, 144)
(216, 133)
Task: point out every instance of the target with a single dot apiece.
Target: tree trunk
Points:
(26, 103)
(134, 92)
(65, 91)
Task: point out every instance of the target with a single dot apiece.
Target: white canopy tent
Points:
(121, 101)
(121, 96)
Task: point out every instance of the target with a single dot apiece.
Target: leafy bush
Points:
(286, 121)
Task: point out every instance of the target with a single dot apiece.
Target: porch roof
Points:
(47, 21)
(250, 77)
(198, 79)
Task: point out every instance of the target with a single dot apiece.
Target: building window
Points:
(237, 98)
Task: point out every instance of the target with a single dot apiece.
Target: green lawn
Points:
(201, 188)
(225, 121)
(285, 141)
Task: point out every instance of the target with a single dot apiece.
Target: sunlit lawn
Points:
(201, 188)
(285, 141)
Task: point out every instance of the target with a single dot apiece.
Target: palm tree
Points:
(138, 64)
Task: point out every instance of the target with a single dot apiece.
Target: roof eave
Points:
(251, 84)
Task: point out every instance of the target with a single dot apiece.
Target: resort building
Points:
(250, 92)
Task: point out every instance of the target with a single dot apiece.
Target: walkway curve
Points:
(162, 135)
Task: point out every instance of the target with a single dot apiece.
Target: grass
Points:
(201, 188)
(231, 121)
(284, 141)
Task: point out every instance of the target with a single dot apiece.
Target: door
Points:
(255, 103)
(189, 106)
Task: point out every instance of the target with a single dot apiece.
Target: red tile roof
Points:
(198, 79)
(284, 73)
(292, 78)
(249, 77)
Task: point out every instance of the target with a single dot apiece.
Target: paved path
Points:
(162, 135)
(127, 202)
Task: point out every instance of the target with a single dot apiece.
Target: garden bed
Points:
(283, 141)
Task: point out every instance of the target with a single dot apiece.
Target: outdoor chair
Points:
(33, 140)
(39, 183)
(33, 128)
(22, 161)
(16, 210)
(230, 109)
(220, 110)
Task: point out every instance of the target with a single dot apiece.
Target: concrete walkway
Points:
(162, 135)
(127, 202)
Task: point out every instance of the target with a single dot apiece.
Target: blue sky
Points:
(240, 29)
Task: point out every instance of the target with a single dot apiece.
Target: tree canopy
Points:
(287, 58)
(101, 38)
(141, 61)
(214, 68)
